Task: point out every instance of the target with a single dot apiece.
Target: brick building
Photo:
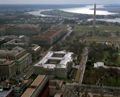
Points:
(48, 38)
(27, 30)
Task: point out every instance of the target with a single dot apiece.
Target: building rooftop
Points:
(98, 64)
(56, 59)
(4, 93)
(22, 58)
(11, 52)
(48, 34)
(15, 42)
(2, 29)
(25, 26)
(5, 62)
(34, 47)
(33, 86)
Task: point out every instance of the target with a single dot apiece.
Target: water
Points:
(88, 10)
(81, 10)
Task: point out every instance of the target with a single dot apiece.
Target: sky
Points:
(59, 1)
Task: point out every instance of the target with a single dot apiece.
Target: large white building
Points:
(55, 64)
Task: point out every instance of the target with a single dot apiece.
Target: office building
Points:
(39, 87)
(22, 59)
(48, 38)
(27, 30)
(55, 64)
(7, 69)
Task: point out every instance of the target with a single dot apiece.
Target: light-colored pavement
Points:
(82, 66)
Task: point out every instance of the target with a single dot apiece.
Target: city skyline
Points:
(60, 2)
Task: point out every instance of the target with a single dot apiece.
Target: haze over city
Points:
(59, 1)
(59, 48)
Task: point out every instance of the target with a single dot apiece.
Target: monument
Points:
(94, 20)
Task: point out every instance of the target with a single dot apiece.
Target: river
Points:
(81, 10)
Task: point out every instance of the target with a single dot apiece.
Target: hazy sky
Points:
(59, 1)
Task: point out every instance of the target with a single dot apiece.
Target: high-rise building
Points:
(94, 21)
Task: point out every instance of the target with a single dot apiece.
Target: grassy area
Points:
(74, 72)
(101, 28)
(63, 26)
(78, 77)
(82, 29)
(33, 76)
(58, 13)
(102, 39)
(117, 62)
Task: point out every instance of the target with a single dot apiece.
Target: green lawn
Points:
(101, 28)
(106, 53)
(63, 26)
(103, 39)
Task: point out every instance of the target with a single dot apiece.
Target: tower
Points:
(94, 21)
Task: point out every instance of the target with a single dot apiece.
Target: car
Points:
(24, 76)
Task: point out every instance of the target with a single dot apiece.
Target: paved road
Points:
(82, 66)
(29, 70)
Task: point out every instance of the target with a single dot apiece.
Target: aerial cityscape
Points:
(60, 48)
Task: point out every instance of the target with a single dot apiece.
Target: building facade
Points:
(22, 59)
(55, 64)
(39, 88)
(27, 30)
(35, 50)
(48, 38)
(7, 69)
(14, 43)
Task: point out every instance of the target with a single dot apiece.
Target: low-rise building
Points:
(98, 64)
(55, 64)
(48, 38)
(39, 88)
(56, 87)
(7, 69)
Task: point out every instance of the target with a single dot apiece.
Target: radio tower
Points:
(94, 21)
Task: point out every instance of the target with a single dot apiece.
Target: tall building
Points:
(39, 88)
(94, 21)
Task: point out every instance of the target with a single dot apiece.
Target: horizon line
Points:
(52, 4)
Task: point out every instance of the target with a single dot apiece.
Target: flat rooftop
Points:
(24, 26)
(4, 93)
(55, 59)
(5, 62)
(12, 52)
(48, 34)
(33, 86)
